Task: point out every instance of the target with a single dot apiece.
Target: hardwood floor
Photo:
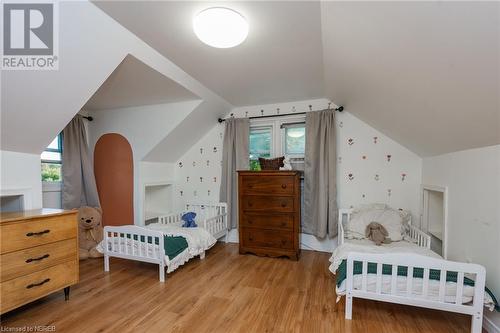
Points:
(226, 292)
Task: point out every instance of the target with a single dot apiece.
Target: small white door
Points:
(434, 217)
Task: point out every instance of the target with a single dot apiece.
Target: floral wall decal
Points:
(375, 139)
(389, 158)
(201, 151)
(350, 141)
(194, 163)
(180, 165)
(403, 177)
(350, 176)
(377, 177)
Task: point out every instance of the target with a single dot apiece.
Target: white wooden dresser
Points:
(38, 255)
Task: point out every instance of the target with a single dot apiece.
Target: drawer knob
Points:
(38, 233)
(29, 286)
(37, 259)
(283, 186)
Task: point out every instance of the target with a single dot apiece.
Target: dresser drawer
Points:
(268, 185)
(267, 238)
(26, 288)
(277, 204)
(22, 235)
(281, 221)
(27, 261)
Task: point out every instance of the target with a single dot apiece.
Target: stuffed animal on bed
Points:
(89, 231)
(188, 219)
(377, 233)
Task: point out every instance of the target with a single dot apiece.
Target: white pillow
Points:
(391, 219)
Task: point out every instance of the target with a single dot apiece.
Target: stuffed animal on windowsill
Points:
(90, 232)
(188, 219)
(377, 233)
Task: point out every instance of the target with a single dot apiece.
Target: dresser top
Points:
(32, 214)
(270, 172)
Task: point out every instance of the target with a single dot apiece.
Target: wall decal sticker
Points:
(182, 193)
(246, 114)
(201, 150)
(180, 165)
(350, 141)
(201, 179)
(341, 124)
(389, 158)
(375, 139)
(363, 157)
(340, 159)
(403, 177)
(215, 179)
(187, 179)
(389, 192)
(194, 163)
(220, 135)
(350, 176)
(208, 162)
(363, 195)
(208, 192)
(215, 149)
(294, 109)
(278, 110)
(261, 112)
(377, 177)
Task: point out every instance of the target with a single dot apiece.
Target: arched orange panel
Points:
(114, 175)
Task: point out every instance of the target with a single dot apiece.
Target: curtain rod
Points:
(339, 109)
(89, 118)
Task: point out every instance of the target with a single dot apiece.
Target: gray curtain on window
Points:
(79, 186)
(320, 186)
(235, 156)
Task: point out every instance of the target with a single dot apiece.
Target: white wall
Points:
(144, 127)
(21, 172)
(473, 181)
(202, 164)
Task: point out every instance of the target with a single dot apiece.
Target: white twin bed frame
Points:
(213, 219)
(474, 309)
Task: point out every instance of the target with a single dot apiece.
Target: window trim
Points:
(52, 150)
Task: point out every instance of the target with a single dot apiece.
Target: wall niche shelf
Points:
(158, 199)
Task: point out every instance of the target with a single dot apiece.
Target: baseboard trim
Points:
(489, 326)
(307, 242)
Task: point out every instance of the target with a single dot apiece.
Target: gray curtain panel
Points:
(79, 186)
(320, 186)
(235, 156)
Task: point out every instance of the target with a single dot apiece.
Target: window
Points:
(260, 141)
(278, 137)
(294, 140)
(52, 161)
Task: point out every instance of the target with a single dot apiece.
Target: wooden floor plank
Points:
(225, 292)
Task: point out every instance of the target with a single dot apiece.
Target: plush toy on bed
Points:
(188, 219)
(377, 233)
(89, 231)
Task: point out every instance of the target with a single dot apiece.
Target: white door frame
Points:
(424, 208)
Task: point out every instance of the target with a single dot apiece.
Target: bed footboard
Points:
(407, 296)
(419, 237)
(134, 243)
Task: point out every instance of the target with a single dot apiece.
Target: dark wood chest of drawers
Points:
(269, 213)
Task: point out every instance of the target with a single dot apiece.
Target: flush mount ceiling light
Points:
(220, 27)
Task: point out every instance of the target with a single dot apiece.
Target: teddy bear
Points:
(90, 232)
(377, 233)
(188, 219)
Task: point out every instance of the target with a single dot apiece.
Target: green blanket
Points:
(434, 274)
(174, 245)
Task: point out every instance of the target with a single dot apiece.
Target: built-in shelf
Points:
(158, 199)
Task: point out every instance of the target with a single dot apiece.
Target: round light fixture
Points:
(220, 27)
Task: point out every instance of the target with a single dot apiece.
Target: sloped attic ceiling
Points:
(424, 73)
(133, 83)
